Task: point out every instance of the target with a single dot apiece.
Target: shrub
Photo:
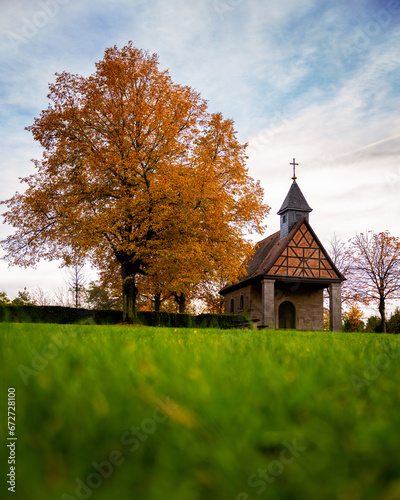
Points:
(352, 320)
(393, 325)
(373, 325)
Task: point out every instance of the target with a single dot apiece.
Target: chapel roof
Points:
(270, 249)
(295, 200)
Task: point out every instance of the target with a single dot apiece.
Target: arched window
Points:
(232, 308)
(287, 315)
(241, 303)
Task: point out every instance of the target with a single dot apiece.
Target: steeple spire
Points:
(294, 207)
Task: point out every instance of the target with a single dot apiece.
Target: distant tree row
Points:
(106, 295)
(21, 299)
(353, 321)
(92, 297)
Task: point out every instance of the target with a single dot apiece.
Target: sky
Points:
(314, 80)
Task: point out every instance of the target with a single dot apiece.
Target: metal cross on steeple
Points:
(294, 169)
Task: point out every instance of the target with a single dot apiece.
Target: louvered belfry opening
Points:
(294, 208)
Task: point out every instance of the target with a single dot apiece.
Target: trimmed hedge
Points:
(187, 321)
(150, 318)
(56, 314)
(67, 315)
(223, 321)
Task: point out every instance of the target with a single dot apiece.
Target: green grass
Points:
(215, 409)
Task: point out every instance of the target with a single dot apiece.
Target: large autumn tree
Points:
(375, 269)
(134, 170)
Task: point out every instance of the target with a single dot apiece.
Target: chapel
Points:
(282, 285)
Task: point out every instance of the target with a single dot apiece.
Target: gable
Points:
(304, 257)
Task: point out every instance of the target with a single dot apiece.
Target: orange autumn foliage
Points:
(353, 319)
(136, 171)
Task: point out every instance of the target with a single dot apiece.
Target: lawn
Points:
(108, 412)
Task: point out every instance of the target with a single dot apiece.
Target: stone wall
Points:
(251, 302)
(307, 299)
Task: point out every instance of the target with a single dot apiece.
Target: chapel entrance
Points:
(287, 316)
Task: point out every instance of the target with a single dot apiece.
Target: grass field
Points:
(157, 414)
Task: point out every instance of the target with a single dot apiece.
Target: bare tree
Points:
(340, 255)
(76, 282)
(338, 252)
(375, 269)
(62, 297)
(40, 298)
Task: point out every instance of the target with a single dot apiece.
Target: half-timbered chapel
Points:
(283, 283)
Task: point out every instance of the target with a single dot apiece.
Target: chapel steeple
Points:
(294, 207)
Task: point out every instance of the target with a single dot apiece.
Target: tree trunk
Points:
(180, 299)
(129, 292)
(157, 302)
(382, 313)
(76, 296)
(221, 304)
